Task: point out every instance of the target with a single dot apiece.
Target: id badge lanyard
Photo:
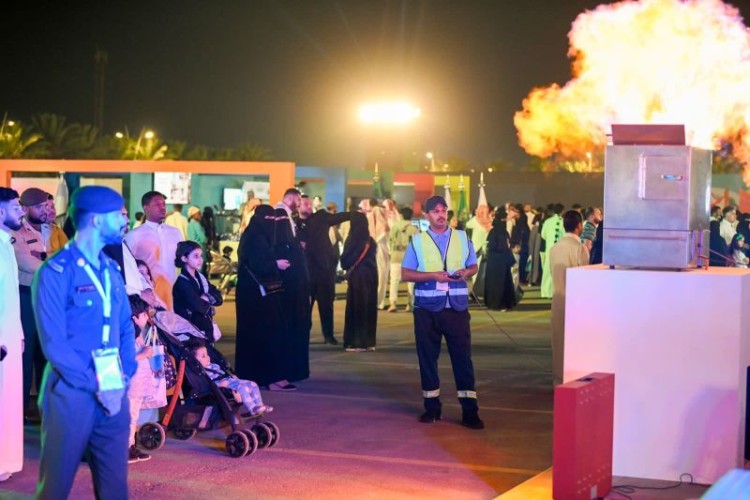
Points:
(106, 294)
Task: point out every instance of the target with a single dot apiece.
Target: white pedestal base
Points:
(678, 344)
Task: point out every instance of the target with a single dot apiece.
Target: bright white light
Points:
(119, 135)
(11, 123)
(149, 134)
(429, 155)
(388, 113)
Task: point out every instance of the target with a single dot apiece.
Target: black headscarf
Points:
(359, 235)
(256, 243)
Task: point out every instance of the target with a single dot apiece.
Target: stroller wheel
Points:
(264, 435)
(151, 436)
(275, 433)
(252, 440)
(184, 434)
(237, 444)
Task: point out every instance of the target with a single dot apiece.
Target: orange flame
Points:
(648, 61)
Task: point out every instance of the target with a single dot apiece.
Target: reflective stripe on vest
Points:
(467, 394)
(439, 293)
(430, 259)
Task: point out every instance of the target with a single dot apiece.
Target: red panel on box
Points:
(582, 438)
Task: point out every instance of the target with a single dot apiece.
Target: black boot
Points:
(471, 420)
(433, 411)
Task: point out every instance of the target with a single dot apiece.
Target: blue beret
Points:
(97, 199)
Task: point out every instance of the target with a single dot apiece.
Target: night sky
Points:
(290, 75)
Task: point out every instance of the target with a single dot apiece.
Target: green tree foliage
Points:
(50, 136)
(15, 140)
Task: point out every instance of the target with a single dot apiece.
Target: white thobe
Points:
(156, 245)
(283, 206)
(11, 371)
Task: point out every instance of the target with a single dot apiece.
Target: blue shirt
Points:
(70, 316)
(410, 259)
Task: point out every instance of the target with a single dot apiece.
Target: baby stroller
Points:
(198, 403)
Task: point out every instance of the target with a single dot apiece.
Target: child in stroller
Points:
(246, 392)
(198, 403)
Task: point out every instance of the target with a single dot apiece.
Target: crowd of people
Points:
(289, 259)
(729, 236)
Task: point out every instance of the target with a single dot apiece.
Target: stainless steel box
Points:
(656, 206)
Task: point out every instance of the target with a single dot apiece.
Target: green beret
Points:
(97, 199)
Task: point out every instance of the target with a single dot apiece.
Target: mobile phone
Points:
(455, 276)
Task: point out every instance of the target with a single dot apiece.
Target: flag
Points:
(447, 196)
(463, 208)
(61, 197)
(377, 185)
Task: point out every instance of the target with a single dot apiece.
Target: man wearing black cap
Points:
(85, 329)
(439, 261)
(31, 250)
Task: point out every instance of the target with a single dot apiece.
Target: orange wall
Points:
(280, 174)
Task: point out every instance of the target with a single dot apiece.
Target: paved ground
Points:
(351, 429)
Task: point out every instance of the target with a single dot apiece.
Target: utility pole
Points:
(100, 65)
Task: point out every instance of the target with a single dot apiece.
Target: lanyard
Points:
(443, 255)
(106, 295)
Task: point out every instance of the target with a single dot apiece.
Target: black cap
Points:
(433, 201)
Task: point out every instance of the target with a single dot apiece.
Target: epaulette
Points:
(58, 261)
(112, 262)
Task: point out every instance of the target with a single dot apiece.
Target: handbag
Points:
(359, 259)
(267, 287)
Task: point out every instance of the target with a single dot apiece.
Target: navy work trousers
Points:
(73, 423)
(429, 329)
(33, 357)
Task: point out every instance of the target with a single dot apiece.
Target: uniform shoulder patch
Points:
(58, 261)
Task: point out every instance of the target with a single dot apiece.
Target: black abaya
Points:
(295, 301)
(260, 319)
(499, 292)
(361, 317)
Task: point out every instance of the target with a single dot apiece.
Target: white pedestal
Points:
(678, 344)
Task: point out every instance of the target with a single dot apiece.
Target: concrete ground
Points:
(350, 431)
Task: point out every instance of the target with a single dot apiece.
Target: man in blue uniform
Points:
(439, 261)
(84, 323)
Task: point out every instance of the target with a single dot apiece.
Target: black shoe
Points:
(136, 455)
(331, 340)
(472, 421)
(430, 417)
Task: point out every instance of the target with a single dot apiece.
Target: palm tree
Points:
(15, 141)
(81, 140)
(55, 135)
(253, 152)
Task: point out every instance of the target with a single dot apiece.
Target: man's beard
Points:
(14, 225)
(35, 220)
(114, 238)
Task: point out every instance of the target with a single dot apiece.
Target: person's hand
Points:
(111, 401)
(39, 255)
(442, 277)
(283, 264)
(148, 352)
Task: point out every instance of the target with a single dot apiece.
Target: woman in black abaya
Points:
(260, 319)
(295, 301)
(499, 292)
(358, 260)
